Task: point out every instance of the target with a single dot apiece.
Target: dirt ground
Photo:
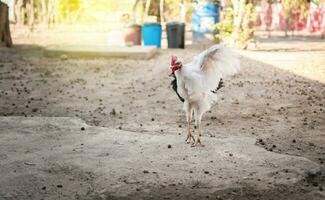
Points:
(277, 99)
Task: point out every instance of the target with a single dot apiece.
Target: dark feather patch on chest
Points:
(173, 83)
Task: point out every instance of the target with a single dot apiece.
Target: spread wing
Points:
(205, 72)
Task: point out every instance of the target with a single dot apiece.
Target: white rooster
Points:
(196, 82)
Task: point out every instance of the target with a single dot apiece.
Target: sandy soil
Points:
(278, 104)
(105, 163)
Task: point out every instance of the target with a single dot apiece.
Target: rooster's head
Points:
(175, 64)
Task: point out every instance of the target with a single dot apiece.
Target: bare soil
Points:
(277, 99)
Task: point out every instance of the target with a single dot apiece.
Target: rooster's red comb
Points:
(173, 60)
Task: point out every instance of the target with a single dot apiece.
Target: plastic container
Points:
(132, 35)
(204, 17)
(175, 35)
(151, 34)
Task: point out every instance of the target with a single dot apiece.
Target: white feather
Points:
(198, 78)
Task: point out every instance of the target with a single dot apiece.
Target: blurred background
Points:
(239, 22)
(277, 99)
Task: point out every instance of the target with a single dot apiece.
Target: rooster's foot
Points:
(197, 143)
(189, 138)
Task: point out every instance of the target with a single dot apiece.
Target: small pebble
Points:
(113, 112)
(64, 57)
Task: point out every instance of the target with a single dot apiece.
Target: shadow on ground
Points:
(283, 112)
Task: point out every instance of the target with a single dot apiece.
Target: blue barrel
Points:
(204, 17)
(151, 34)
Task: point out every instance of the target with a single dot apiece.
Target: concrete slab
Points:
(53, 158)
(95, 51)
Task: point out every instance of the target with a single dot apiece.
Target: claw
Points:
(197, 143)
(189, 138)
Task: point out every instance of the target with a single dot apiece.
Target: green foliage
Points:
(90, 11)
(288, 5)
(68, 8)
(173, 9)
(214, 1)
(226, 27)
(246, 31)
(69, 5)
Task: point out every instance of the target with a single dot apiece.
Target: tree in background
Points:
(179, 10)
(70, 10)
(163, 10)
(50, 12)
(237, 24)
(291, 8)
(5, 37)
(32, 12)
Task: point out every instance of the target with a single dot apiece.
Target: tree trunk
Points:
(5, 37)
(148, 3)
(31, 12)
(44, 11)
(52, 12)
(183, 6)
(286, 27)
(134, 11)
(161, 11)
(19, 11)
(239, 10)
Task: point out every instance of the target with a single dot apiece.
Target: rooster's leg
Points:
(198, 117)
(197, 142)
(189, 137)
(189, 113)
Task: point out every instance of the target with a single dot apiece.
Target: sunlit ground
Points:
(77, 34)
(303, 55)
(263, 102)
(308, 64)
